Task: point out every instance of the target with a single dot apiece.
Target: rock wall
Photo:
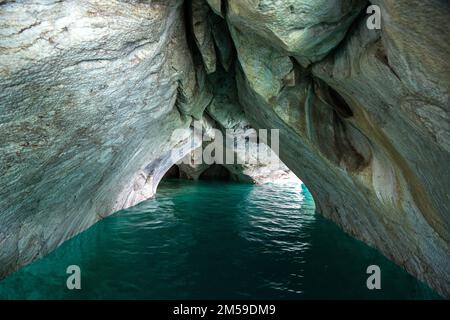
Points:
(87, 99)
(92, 91)
(365, 124)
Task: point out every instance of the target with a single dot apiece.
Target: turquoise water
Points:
(214, 240)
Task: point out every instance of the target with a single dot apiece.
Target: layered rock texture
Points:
(93, 91)
(252, 160)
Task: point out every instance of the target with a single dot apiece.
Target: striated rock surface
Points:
(254, 161)
(91, 94)
(87, 99)
(307, 30)
(365, 126)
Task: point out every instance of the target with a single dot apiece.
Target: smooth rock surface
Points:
(87, 100)
(91, 94)
(307, 30)
(366, 127)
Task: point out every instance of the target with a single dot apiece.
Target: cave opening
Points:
(172, 173)
(372, 144)
(216, 172)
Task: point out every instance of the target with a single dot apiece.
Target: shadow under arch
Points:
(216, 172)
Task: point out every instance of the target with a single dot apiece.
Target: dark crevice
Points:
(339, 104)
(190, 38)
(172, 173)
(216, 172)
(381, 55)
(345, 151)
(219, 25)
(181, 98)
(332, 98)
(224, 8)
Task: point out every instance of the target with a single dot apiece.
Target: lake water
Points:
(213, 240)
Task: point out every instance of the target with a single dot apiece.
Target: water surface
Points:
(215, 240)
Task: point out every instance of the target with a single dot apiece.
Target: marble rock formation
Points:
(91, 93)
(88, 93)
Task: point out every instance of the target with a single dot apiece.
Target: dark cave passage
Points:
(216, 172)
(172, 173)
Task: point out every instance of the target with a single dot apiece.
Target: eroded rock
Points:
(92, 92)
(86, 87)
(359, 124)
(305, 29)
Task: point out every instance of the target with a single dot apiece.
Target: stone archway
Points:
(363, 114)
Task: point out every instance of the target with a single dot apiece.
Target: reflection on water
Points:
(214, 240)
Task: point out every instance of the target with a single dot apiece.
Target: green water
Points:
(214, 240)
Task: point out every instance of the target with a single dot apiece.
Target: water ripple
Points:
(210, 240)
